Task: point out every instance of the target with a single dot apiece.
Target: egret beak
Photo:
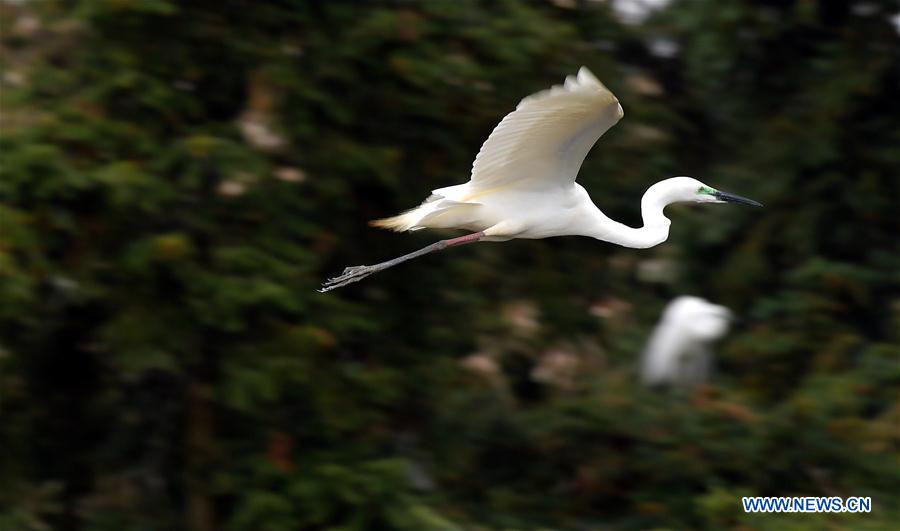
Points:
(731, 198)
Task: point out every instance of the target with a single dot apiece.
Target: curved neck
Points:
(656, 224)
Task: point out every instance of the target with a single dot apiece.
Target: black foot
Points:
(349, 276)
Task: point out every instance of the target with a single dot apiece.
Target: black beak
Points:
(731, 198)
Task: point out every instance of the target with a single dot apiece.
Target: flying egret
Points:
(523, 182)
(679, 351)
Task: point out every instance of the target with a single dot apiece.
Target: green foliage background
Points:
(178, 177)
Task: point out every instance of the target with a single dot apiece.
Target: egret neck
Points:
(656, 224)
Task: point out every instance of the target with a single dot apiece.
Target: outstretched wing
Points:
(548, 135)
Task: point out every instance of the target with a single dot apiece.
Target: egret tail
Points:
(400, 223)
(357, 273)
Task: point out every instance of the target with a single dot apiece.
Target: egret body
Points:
(523, 182)
(679, 351)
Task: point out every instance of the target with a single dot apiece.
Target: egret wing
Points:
(547, 137)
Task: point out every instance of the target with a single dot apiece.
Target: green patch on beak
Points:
(706, 190)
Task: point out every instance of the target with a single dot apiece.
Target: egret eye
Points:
(706, 190)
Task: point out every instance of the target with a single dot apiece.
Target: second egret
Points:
(679, 351)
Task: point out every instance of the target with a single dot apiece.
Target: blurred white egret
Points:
(679, 351)
(523, 182)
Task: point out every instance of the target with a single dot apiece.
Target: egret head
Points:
(699, 319)
(710, 323)
(687, 189)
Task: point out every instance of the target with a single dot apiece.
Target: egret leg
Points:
(357, 273)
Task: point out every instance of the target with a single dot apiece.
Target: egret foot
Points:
(350, 275)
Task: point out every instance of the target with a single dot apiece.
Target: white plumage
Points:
(679, 351)
(523, 181)
(526, 169)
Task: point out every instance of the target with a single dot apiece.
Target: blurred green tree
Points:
(177, 177)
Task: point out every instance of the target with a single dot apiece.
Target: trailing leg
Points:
(357, 273)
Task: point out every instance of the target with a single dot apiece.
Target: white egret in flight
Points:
(523, 182)
(679, 351)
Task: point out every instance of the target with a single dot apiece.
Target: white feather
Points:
(547, 137)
